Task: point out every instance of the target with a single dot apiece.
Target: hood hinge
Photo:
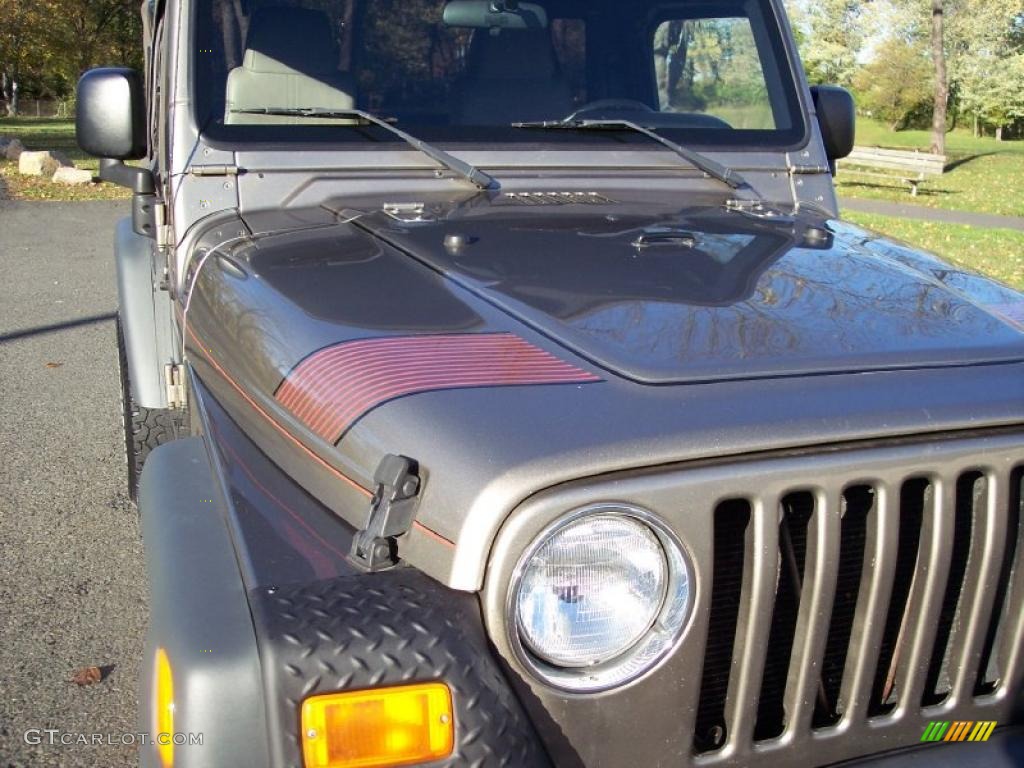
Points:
(392, 510)
(174, 378)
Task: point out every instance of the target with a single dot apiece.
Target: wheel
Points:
(143, 428)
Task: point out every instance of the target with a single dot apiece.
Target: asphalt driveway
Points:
(72, 582)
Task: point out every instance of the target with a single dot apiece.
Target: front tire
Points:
(143, 428)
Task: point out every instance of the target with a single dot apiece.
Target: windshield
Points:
(463, 71)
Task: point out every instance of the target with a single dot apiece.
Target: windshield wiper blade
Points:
(472, 174)
(711, 167)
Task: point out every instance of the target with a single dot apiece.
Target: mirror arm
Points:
(140, 181)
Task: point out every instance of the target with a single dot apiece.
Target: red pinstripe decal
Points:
(332, 389)
(273, 422)
(433, 534)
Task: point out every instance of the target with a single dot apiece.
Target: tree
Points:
(24, 52)
(895, 85)
(988, 66)
(941, 96)
(977, 65)
(831, 35)
(924, 22)
(46, 44)
(92, 33)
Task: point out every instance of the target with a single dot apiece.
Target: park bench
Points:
(909, 166)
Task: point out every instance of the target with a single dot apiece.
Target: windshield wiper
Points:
(475, 176)
(712, 168)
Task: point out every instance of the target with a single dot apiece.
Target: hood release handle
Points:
(392, 510)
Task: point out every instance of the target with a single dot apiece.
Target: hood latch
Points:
(392, 510)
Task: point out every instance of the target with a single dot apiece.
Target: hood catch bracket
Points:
(392, 510)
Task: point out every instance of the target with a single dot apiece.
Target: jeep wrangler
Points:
(502, 388)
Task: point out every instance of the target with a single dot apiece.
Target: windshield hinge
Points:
(392, 510)
(174, 378)
(213, 170)
(809, 170)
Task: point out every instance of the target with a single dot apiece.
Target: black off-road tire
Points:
(144, 428)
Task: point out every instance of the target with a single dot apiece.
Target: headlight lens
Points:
(599, 598)
(592, 590)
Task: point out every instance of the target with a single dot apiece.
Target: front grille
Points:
(857, 600)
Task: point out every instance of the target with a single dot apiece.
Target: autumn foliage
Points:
(46, 44)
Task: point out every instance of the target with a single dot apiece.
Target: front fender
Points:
(199, 614)
(256, 607)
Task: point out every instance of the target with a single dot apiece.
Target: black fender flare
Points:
(199, 614)
(383, 629)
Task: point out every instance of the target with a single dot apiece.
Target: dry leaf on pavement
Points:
(86, 676)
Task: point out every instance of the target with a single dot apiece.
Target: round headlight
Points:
(591, 591)
(599, 598)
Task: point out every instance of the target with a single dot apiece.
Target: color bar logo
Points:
(958, 731)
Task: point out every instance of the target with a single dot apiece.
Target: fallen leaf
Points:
(54, 365)
(86, 676)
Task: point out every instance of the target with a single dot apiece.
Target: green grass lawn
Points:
(959, 142)
(56, 134)
(998, 253)
(985, 175)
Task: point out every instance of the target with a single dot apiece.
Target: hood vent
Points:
(554, 198)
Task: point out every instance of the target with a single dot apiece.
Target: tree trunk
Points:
(977, 128)
(5, 91)
(941, 78)
(999, 133)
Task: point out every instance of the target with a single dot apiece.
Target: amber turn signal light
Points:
(378, 728)
(163, 708)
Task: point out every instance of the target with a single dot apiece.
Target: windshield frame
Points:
(506, 139)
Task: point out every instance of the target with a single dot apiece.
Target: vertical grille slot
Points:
(991, 670)
(915, 495)
(971, 489)
(797, 510)
(731, 540)
(858, 504)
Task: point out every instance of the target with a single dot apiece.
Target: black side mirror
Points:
(110, 116)
(837, 118)
(110, 123)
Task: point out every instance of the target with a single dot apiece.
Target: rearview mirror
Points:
(494, 14)
(110, 115)
(837, 118)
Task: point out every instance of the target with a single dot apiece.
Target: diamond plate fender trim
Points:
(389, 628)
